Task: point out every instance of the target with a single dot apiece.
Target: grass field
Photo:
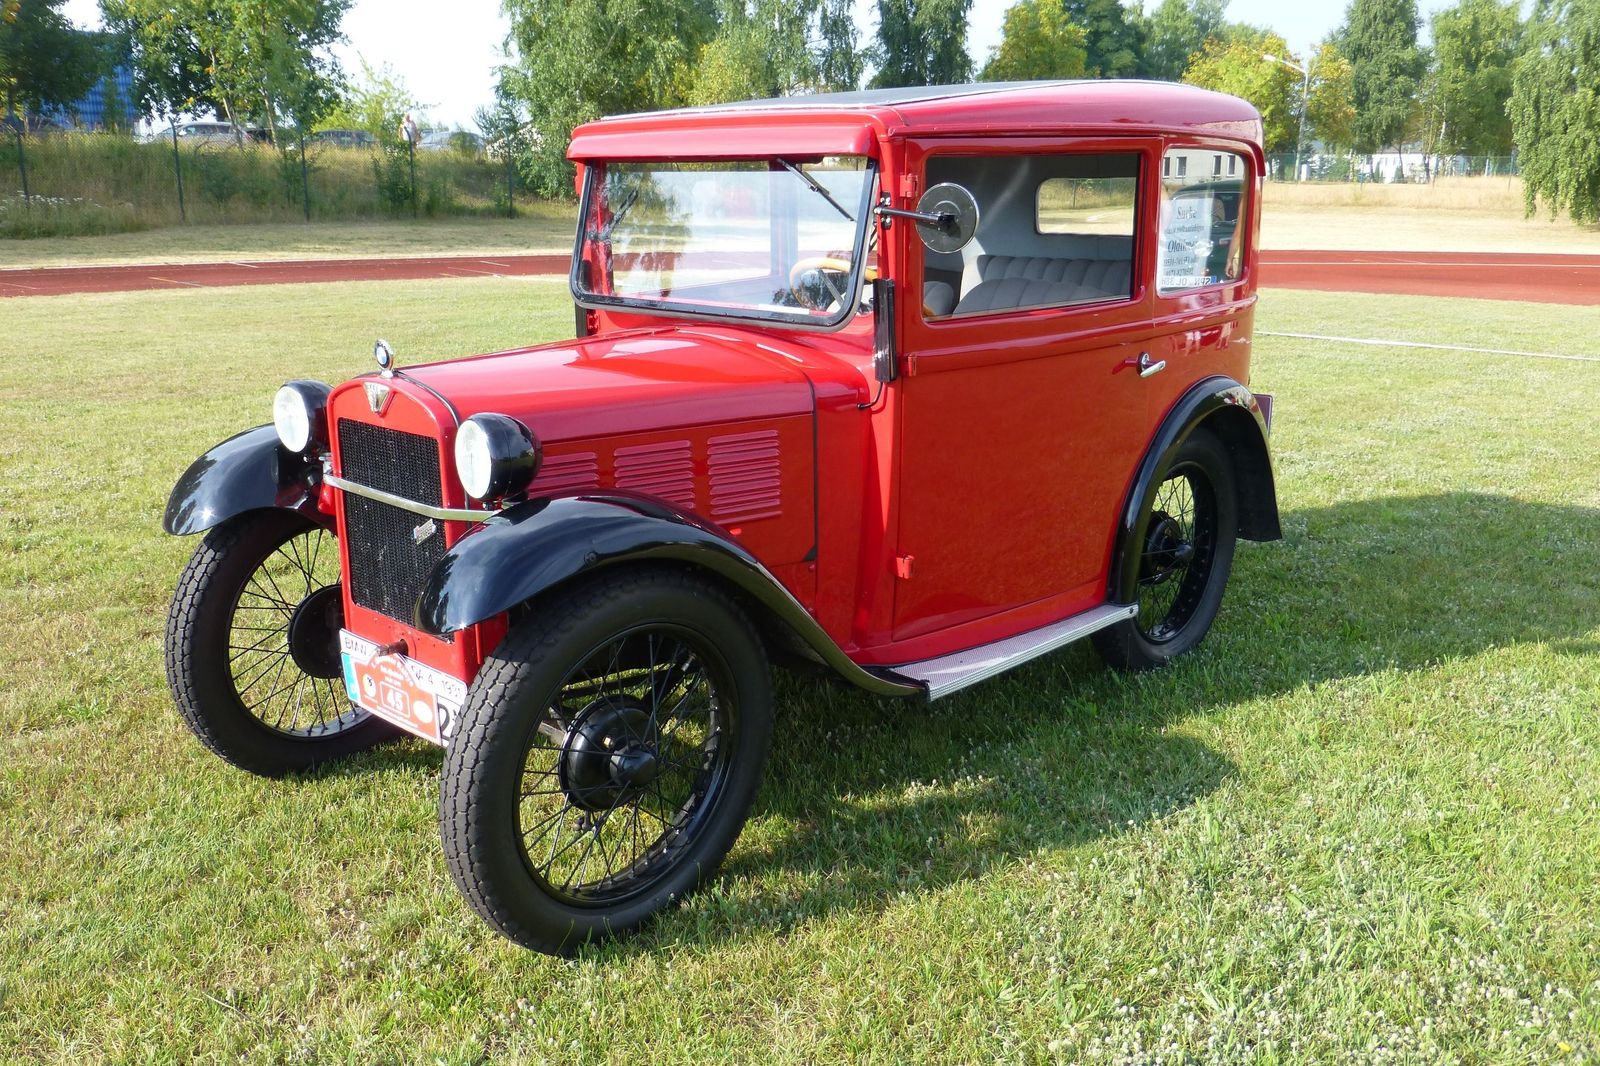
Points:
(1361, 823)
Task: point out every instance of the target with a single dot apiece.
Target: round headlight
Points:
(300, 414)
(495, 456)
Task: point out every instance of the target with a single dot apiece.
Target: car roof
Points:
(986, 108)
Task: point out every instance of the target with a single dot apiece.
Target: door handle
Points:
(1149, 369)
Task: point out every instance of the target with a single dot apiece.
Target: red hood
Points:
(634, 382)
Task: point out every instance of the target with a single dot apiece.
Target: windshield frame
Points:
(672, 309)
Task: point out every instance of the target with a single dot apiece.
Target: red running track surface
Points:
(1561, 279)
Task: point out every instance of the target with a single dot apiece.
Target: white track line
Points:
(1379, 343)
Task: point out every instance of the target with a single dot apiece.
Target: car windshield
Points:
(774, 239)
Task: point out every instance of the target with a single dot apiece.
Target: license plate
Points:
(398, 689)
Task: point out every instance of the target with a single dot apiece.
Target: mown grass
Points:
(85, 185)
(1361, 823)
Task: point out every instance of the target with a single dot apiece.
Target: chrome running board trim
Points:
(951, 673)
(443, 514)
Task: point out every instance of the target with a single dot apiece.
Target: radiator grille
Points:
(386, 563)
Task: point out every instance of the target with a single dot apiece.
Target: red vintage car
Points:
(908, 386)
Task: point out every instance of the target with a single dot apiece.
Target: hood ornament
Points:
(385, 357)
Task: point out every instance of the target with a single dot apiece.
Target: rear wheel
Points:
(606, 759)
(1188, 533)
(252, 647)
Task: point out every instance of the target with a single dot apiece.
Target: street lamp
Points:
(1304, 70)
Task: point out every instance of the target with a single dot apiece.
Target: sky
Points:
(448, 63)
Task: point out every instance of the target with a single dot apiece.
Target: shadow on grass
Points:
(866, 799)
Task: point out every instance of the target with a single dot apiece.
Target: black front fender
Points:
(1228, 409)
(247, 471)
(535, 546)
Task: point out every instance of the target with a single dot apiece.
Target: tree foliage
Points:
(1236, 66)
(1330, 107)
(1379, 37)
(921, 42)
(1114, 37)
(1555, 108)
(43, 60)
(253, 61)
(1475, 46)
(1176, 33)
(575, 60)
(767, 48)
(1037, 42)
(375, 101)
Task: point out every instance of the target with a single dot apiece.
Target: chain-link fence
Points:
(65, 183)
(1387, 167)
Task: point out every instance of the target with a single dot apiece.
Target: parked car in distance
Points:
(908, 387)
(344, 138)
(205, 133)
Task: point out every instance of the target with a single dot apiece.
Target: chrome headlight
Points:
(300, 414)
(495, 456)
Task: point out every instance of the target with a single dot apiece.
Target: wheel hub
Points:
(609, 754)
(314, 633)
(1165, 549)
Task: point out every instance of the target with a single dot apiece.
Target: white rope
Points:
(1379, 343)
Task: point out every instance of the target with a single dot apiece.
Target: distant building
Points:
(108, 103)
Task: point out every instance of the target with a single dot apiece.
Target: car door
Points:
(1022, 412)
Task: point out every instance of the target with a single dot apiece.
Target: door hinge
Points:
(902, 566)
(908, 186)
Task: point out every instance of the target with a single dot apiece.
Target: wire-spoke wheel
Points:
(253, 646)
(1185, 543)
(606, 759)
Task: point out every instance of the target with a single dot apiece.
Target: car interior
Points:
(1052, 230)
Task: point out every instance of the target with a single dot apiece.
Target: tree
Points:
(44, 61)
(575, 60)
(1555, 108)
(375, 102)
(1330, 108)
(1475, 45)
(767, 48)
(1177, 31)
(1114, 37)
(921, 42)
(1037, 42)
(1379, 37)
(1236, 66)
(251, 60)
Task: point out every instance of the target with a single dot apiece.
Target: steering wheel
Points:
(824, 265)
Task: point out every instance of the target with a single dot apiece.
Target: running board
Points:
(951, 673)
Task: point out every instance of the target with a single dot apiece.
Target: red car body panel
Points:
(974, 498)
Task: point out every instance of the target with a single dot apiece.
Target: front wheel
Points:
(1189, 528)
(606, 759)
(252, 647)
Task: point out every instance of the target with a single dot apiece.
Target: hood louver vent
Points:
(744, 476)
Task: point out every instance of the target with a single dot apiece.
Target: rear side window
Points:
(1088, 205)
(1203, 209)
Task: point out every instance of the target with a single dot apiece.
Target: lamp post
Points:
(1304, 70)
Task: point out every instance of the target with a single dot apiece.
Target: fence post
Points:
(22, 165)
(411, 147)
(511, 186)
(177, 168)
(305, 177)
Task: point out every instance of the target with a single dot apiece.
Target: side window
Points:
(1053, 231)
(1203, 213)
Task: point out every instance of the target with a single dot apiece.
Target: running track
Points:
(1558, 279)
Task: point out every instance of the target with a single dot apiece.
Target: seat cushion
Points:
(1008, 281)
(938, 298)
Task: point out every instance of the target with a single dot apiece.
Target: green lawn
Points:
(1361, 823)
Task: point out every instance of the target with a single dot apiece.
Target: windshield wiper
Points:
(809, 180)
(617, 216)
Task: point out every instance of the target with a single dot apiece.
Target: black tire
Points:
(590, 671)
(1186, 555)
(239, 680)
